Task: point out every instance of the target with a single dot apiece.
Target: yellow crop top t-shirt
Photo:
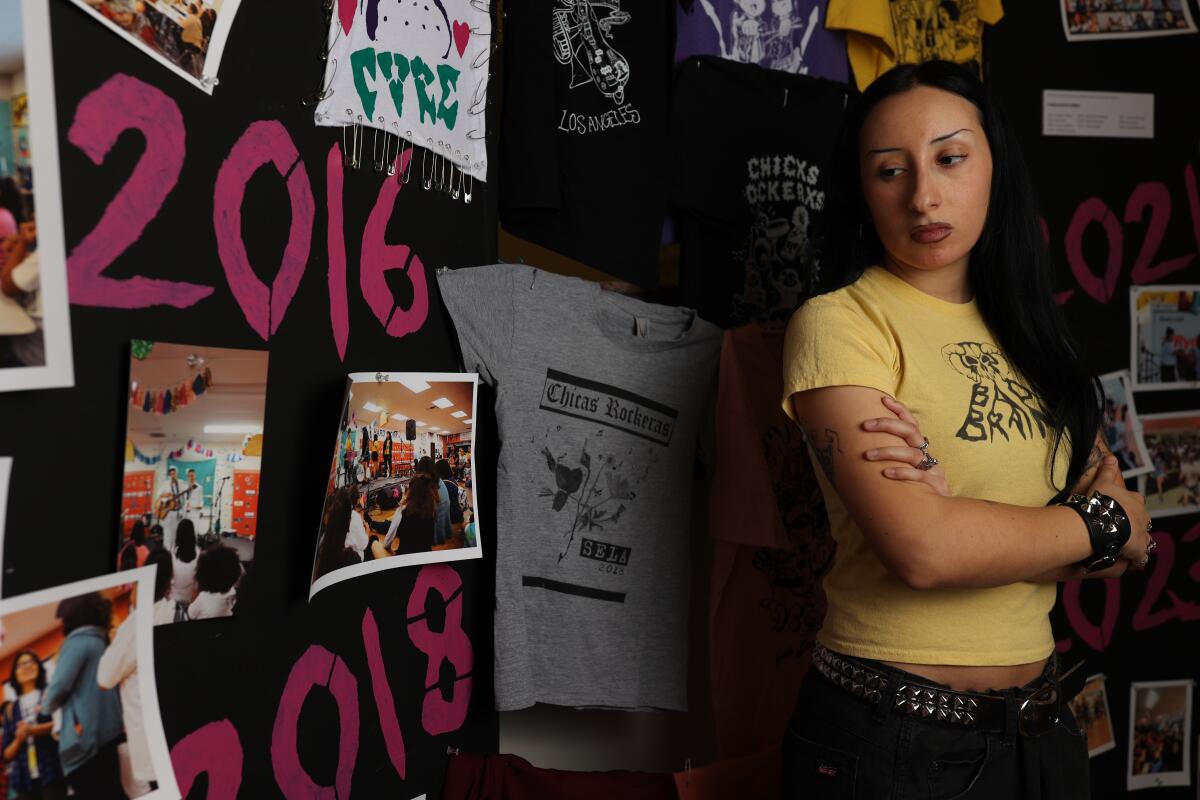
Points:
(984, 425)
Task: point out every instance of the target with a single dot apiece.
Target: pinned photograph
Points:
(80, 709)
(1163, 337)
(1090, 708)
(1160, 734)
(1095, 20)
(35, 329)
(1122, 428)
(186, 36)
(193, 457)
(401, 486)
(5, 472)
(1173, 485)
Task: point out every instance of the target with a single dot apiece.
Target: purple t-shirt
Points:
(787, 35)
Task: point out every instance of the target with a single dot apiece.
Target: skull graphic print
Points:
(1000, 406)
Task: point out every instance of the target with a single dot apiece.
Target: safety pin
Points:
(348, 149)
(325, 92)
(391, 167)
(470, 184)
(375, 155)
(358, 143)
(456, 189)
(337, 32)
(406, 173)
(425, 181)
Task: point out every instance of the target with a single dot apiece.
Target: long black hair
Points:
(185, 540)
(163, 573)
(1010, 269)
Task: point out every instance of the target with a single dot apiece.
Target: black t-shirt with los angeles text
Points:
(583, 139)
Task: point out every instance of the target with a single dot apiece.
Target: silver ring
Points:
(1143, 563)
(1150, 548)
(924, 448)
(1149, 525)
(928, 462)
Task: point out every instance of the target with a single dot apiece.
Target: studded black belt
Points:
(1037, 708)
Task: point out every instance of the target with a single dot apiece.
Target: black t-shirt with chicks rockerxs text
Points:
(751, 150)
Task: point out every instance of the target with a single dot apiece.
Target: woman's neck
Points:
(949, 282)
(28, 686)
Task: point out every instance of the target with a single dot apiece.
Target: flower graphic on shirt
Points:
(577, 488)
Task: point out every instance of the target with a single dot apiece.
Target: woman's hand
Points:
(1108, 481)
(905, 426)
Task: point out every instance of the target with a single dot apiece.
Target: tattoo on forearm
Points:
(824, 444)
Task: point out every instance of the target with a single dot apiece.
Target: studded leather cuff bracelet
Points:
(1108, 527)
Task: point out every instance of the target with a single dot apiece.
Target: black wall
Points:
(1150, 632)
(68, 443)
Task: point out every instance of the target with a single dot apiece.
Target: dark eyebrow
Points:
(949, 135)
(932, 141)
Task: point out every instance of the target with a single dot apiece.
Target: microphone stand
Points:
(214, 518)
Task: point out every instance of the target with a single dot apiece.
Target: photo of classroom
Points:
(401, 479)
(193, 456)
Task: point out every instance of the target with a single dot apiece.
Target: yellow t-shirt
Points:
(938, 359)
(883, 33)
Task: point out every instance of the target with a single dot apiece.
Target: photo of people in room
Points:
(1173, 487)
(35, 348)
(193, 456)
(1122, 427)
(187, 35)
(401, 486)
(1160, 722)
(79, 715)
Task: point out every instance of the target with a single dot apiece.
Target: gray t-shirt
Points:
(599, 398)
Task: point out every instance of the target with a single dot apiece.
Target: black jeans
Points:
(840, 746)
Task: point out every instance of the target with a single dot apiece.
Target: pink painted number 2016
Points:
(125, 103)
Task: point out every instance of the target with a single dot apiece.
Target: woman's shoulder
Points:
(850, 307)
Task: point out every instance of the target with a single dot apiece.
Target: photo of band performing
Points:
(193, 455)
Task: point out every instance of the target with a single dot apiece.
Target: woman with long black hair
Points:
(934, 673)
(183, 569)
(29, 745)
